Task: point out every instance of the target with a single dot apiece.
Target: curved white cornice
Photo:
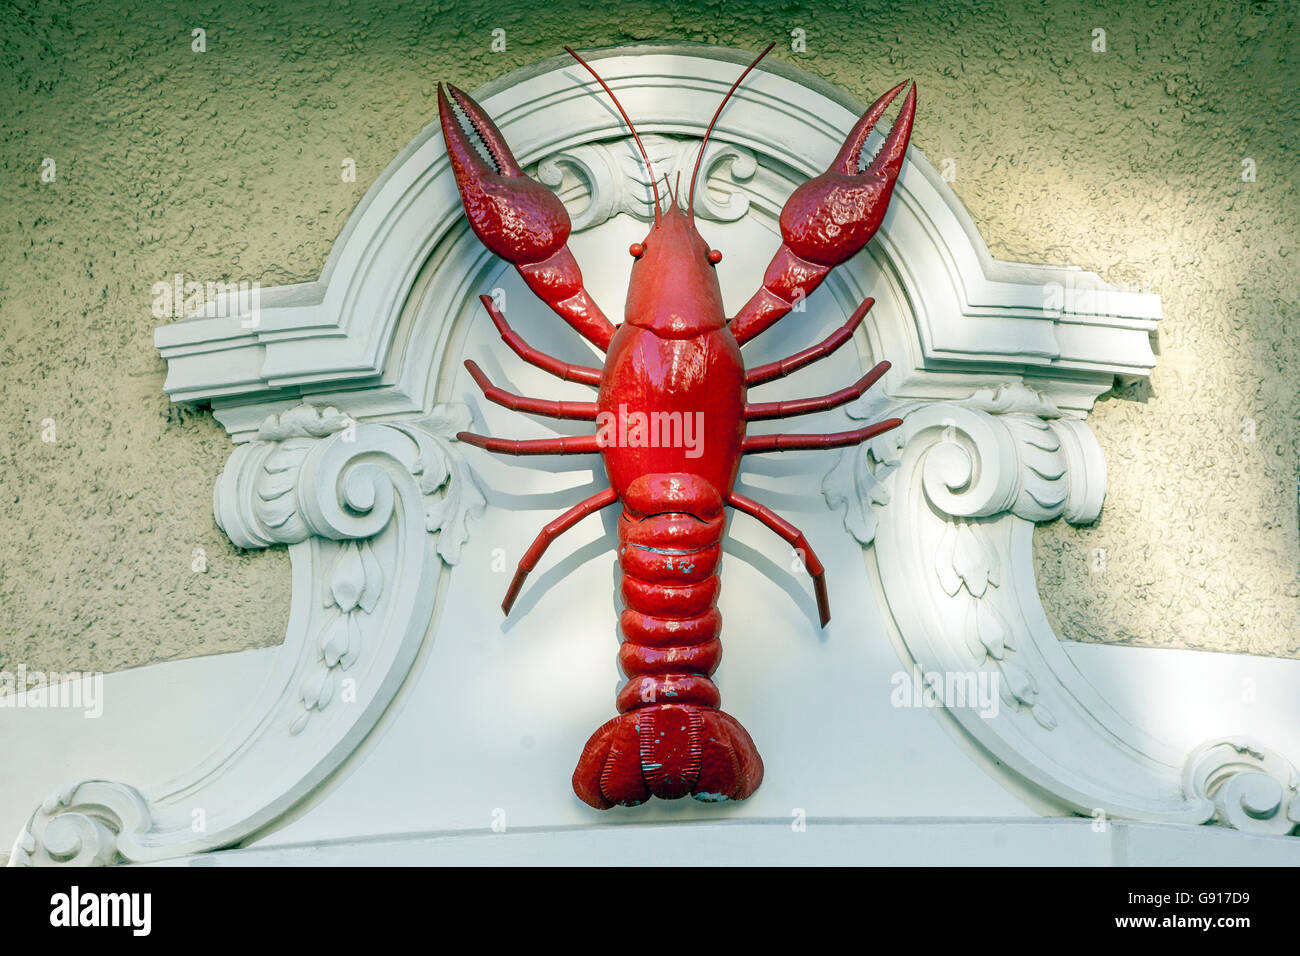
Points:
(1062, 330)
(340, 394)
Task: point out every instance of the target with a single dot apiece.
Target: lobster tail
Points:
(670, 740)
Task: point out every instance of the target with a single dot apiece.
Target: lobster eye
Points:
(715, 256)
(637, 250)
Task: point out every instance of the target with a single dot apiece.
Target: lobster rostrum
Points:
(676, 355)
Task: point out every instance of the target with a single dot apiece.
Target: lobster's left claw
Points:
(829, 218)
(515, 216)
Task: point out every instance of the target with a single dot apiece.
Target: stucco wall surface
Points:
(225, 165)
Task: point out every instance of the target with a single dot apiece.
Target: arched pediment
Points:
(960, 316)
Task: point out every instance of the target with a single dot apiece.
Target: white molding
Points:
(949, 501)
(906, 842)
(1062, 330)
(340, 397)
(371, 513)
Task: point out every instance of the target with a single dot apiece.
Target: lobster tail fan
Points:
(699, 158)
(654, 184)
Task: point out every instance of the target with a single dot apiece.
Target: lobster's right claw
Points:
(832, 216)
(516, 217)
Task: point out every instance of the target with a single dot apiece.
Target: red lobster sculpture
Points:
(676, 352)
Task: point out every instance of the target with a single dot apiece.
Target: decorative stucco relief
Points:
(371, 514)
(347, 456)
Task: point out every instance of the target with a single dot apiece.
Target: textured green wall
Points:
(225, 164)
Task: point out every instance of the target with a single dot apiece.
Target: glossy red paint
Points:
(670, 418)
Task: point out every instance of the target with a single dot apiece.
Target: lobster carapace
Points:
(672, 367)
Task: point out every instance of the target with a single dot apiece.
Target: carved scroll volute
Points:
(316, 472)
(357, 503)
(949, 501)
(614, 177)
(975, 463)
(93, 823)
(959, 468)
(1251, 787)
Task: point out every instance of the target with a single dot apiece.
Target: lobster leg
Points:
(548, 363)
(756, 444)
(585, 411)
(804, 406)
(548, 534)
(515, 216)
(761, 374)
(567, 445)
(796, 540)
(830, 218)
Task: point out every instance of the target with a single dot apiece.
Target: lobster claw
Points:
(516, 217)
(830, 217)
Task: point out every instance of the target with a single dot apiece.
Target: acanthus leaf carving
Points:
(951, 492)
(357, 500)
(1249, 786)
(316, 472)
(986, 456)
(348, 581)
(309, 473)
(353, 592)
(303, 421)
(90, 823)
(616, 180)
(1015, 453)
(859, 480)
(972, 560)
(441, 468)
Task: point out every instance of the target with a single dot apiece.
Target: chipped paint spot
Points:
(672, 551)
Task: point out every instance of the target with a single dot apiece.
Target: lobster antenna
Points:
(690, 202)
(654, 185)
